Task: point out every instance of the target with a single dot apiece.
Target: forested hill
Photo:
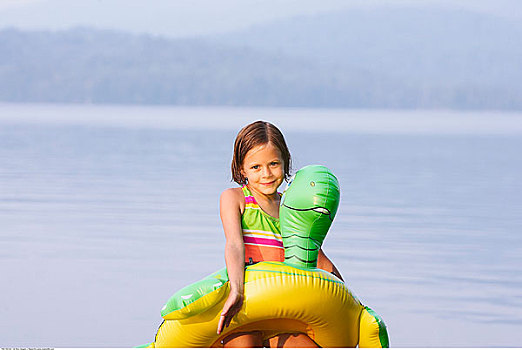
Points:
(91, 66)
(365, 59)
(417, 45)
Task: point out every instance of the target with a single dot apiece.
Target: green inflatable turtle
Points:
(293, 296)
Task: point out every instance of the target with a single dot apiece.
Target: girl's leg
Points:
(244, 340)
(292, 340)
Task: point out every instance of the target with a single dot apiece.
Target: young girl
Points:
(250, 217)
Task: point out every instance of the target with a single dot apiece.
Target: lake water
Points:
(106, 211)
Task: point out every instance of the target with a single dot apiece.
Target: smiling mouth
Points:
(268, 183)
(316, 209)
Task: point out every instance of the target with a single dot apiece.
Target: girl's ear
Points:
(244, 175)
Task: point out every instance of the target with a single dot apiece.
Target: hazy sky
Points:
(179, 18)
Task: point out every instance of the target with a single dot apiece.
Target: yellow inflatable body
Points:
(279, 299)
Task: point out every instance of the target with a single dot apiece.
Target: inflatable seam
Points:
(215, 291)
(383, 334)
(295, 274)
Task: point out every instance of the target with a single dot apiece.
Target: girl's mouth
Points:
(268, 183)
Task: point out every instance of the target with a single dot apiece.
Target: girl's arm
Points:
(326, 264)
(230, 212)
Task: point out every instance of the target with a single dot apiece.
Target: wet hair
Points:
(255, 134)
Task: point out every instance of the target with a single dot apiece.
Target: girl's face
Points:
(263, 167)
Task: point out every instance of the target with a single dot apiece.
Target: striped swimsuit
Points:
(261, 233)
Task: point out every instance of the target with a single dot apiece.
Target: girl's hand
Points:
(326, 264)
(230, 309)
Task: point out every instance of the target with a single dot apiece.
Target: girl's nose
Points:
(267, 172)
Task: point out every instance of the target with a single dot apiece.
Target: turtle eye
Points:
(322, 210)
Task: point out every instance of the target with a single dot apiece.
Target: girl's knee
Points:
(292, 340)
(244, 340)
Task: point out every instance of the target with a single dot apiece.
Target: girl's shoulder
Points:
(233, 192)
(233, 197)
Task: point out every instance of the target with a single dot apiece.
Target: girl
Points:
(250, 217)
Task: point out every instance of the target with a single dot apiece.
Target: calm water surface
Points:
(107, 211)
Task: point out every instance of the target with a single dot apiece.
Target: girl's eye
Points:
(274, 163)
(255, 167)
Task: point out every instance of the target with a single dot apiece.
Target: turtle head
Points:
(308, 207)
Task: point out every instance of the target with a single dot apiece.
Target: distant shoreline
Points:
(408, 122)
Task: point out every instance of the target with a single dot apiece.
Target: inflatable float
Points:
(293, 296)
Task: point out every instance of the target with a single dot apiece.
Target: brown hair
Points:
(252, 135)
